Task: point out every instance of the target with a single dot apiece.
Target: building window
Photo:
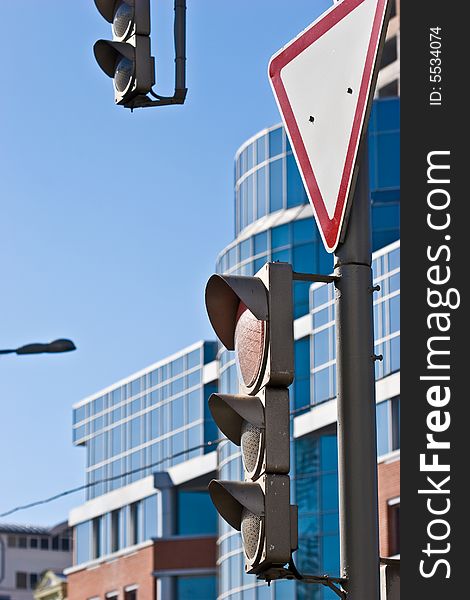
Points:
(388, 426)
(82, 542)
(391, 89)
(196, 588)
(11, 541)
(22, 542)
(150, 517)
(33, 580)
(134, 524)
(21, 580)
(196, 513)
(302, 373)
(33, 542)
(275, 141)
(44, 543)
(65, 544)
(394, 527)
(96, 540)
(389, 54)
(115, 531)
(130, 593)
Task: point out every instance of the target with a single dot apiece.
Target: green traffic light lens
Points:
(251, 527)
(123, 19)
(123, 74)
(249, 345)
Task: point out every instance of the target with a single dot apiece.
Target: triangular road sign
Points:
(323, 82)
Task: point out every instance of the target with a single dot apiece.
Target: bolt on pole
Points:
(357, 447)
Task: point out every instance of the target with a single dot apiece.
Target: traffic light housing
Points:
(259, 307)
(254, 317)
(127, 58)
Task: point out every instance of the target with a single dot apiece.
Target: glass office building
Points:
(149, 422)
(154, 419)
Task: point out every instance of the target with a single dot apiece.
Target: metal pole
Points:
(180, 47)
(357, 449)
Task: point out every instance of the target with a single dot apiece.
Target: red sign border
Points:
(330, 228)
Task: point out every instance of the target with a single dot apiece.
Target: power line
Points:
(86, 486)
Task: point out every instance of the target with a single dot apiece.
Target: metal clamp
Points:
(334, 583)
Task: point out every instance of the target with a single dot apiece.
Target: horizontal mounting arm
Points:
(314, 277)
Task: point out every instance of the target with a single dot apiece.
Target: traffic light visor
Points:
(233, 498)
(231, 411)
(109, 54)
(106, 8)
(224, 293)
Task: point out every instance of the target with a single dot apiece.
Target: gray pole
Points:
(357, 450)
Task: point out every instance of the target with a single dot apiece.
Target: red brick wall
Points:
(138, 567)
(189, 553)
(135, 568)
(389, 487)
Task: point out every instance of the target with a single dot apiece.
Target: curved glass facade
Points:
(273, 219)
(267, 181)
(267, 178)
(274, 222)
(316, 494)
(296, 241)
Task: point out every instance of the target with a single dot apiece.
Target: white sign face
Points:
(322, 82)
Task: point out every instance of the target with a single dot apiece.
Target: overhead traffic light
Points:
(254, 317)
(127, 58)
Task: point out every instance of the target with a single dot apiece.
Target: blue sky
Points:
(111, 222)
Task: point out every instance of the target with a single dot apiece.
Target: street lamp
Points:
(60, 345)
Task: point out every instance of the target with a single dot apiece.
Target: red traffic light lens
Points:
(123, 19)
(249, 345)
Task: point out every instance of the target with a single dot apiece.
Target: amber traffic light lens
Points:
(252, 447)
(249, 345)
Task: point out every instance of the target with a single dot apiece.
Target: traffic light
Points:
(253, 316)
(127, 59)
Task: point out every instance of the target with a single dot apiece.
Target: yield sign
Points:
(323, 82)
